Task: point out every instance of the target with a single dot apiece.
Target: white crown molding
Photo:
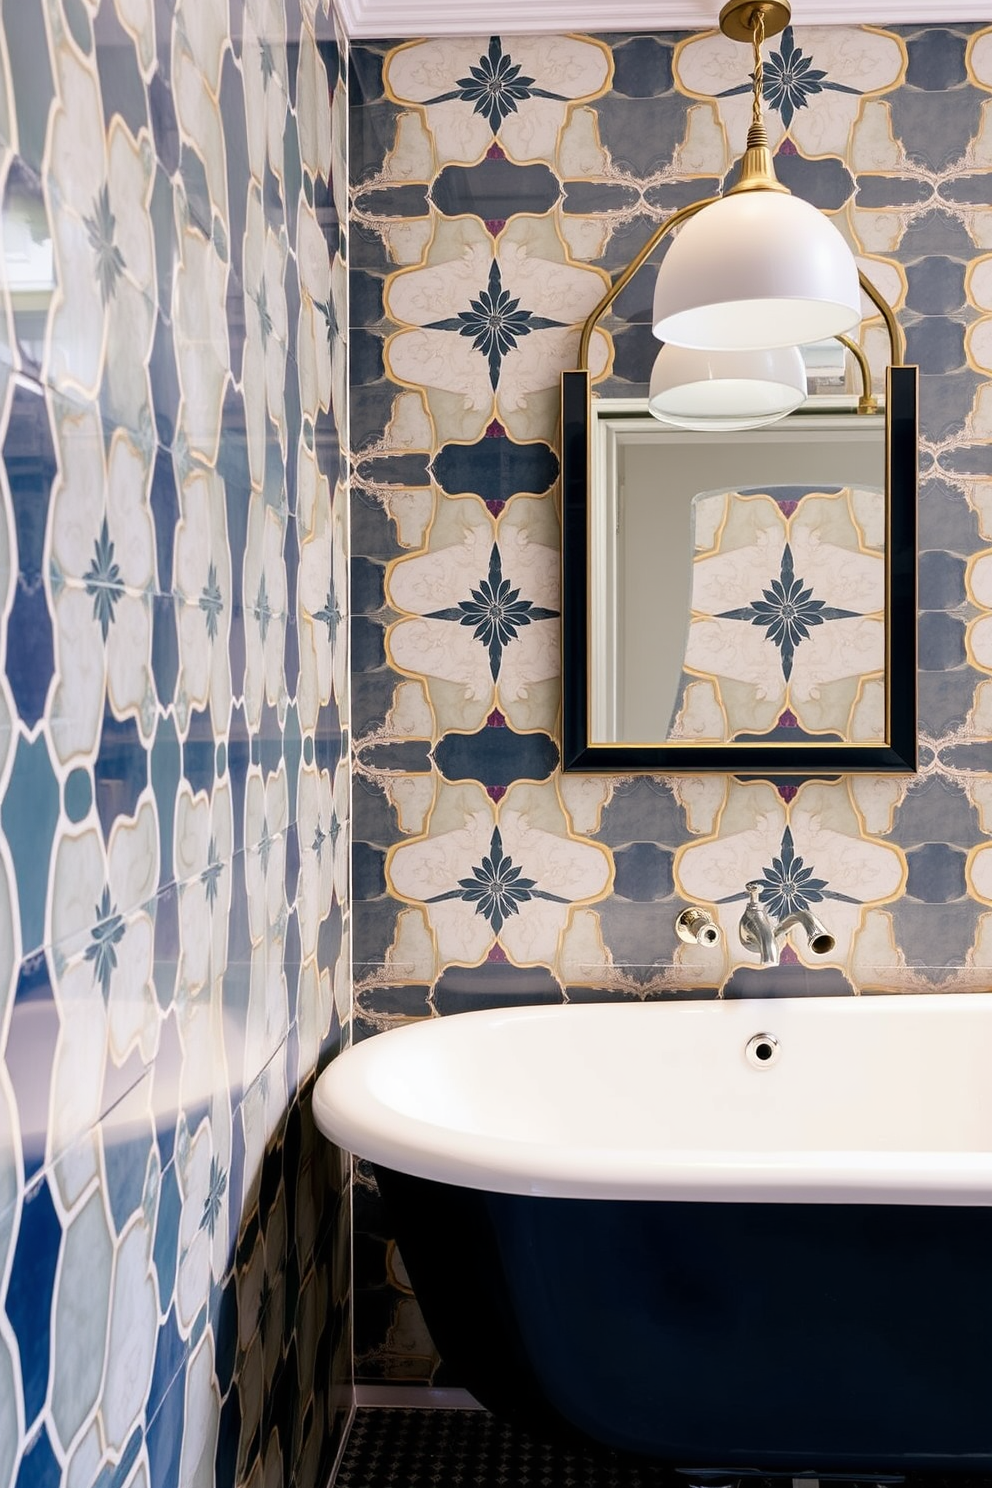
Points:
(388, 18)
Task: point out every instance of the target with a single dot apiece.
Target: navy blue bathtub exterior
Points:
(780, 1338)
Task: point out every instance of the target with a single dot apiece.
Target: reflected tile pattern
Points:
(497, 182)
(787, 624)
(174, 918)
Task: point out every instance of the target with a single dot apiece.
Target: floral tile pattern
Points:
(766, 647)
(174, 777)
(482, 874)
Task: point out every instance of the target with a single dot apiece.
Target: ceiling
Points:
(388, 18)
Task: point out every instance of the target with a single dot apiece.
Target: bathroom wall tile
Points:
(149, 730)
(941, 641)
(946, 699)
(28, 48)
(936, 873)
(895, 145)
(938, 810)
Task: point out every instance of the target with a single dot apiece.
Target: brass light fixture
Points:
(788, 276)
(753, 275)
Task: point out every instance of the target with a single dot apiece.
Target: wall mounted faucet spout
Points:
(758, 931)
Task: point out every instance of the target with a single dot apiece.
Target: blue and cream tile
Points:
(265, 597)
(313, 108)
(264, 65)
(518, 88)
(197, 58)
(485, 598)
(202, 1163)
(203, 846)
(448, 345)
(262, 1111)
(264, 366)
(320, 341)
(809, 851)
(324, 851)
(509, 877)
(266, 819)
(201, 340)
(814, 83)
(320, 607)
(203, 585)
(201, 1416)
(81, 1306)
(137, 583)
(132, 1335)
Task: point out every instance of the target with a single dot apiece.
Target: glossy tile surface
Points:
(174, 921)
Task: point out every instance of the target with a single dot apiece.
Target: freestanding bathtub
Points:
(731, 1236)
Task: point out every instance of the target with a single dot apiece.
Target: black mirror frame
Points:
(897, 755)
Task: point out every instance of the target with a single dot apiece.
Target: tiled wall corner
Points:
(174, 918)
(496, 182)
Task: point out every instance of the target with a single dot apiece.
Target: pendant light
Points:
(724, 390)
(757, 267)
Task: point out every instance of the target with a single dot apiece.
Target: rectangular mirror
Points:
(743, 601)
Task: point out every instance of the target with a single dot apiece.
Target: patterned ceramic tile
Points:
(518, 88)
(470, 276)
(477, 343)
(168, 963)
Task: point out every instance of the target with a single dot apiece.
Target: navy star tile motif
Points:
(104, 937)
(210, 877)
(496, 611)
(101, 228)
(495, 322)
(497, 887)
(788, 885)
(330, 614)
(214, 1201)
(790, 80)
(103, 580)
(788, 612)
(211, 601)
(495, 86)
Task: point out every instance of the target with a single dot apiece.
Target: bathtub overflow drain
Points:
(762, 1050)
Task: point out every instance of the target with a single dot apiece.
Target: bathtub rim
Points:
(354, 1117)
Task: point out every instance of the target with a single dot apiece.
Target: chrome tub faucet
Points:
(758, 931)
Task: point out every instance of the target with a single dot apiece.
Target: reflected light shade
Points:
(723, 390)
(756, 269)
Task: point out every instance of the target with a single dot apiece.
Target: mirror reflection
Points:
(737, 583)
(742, 600)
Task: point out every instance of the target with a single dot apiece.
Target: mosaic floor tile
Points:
(448, 1448)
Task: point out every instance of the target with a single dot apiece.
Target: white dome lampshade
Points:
(723, 390)
(756, 269)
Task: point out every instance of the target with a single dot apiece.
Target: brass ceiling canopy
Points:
(738, 17)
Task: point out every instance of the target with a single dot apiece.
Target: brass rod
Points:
(867, 403)
(896, 345)
(676, 220)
